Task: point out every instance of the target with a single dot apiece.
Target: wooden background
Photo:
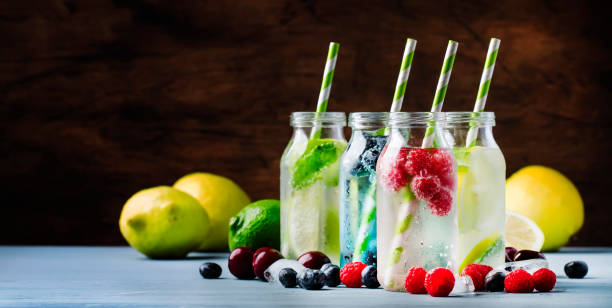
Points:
(100, 98)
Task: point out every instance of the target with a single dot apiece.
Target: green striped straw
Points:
(402, 78)
(483, 89)
(445, 73)
(409, 209)
(328, 76)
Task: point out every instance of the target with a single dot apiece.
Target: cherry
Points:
(240, 263)
(313, 259)
(510, 253)
(528, 255)
(262, 259)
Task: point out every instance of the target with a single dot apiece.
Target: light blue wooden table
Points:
(121, 277)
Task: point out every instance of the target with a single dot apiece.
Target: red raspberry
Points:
(425, 187)
(418, 162)
(396, 177)
(449, 181)
(441, 162)
(477, 272)
(415, 280)
(441, 203)
(439, 282)
(350, 274)
(519, 281)
(544, 280)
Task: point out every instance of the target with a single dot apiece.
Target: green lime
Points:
(482, 250)
(256, 225)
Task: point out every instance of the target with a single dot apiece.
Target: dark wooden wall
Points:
(101, 98)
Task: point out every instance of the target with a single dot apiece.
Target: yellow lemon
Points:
(549, 199)
(221, 198)
(163, 222)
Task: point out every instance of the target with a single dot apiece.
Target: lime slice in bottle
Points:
(304, 218)
(482, 250)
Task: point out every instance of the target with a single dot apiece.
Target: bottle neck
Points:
(418, 136)
(464, 135)
(327, 132)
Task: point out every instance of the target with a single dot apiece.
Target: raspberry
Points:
(396, 177)
(425, 187)
(441, 203)
(350, 274)
(519, 281)
(415, 280)
(439, 282)
(544, 280)
(477, 272)
(449, 181)
(441, 162)
(418, 162)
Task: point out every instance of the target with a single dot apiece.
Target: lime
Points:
(522, 232)
(256, 225)
(484, 248)
(221, 198)
(163, 222)
(549, 199)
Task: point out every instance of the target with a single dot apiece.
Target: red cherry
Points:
(240, 263)
(313, 259)
(262, 259)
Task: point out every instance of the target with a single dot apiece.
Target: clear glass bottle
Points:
(358, 187)
(416, 200)
(481, 187)
(309, 185)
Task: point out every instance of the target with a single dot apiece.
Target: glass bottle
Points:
(481, 187)
(309, 185)
(358, 187)
(416, 199)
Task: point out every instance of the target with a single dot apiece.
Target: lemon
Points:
(522, 232)
(548, 198)
(256, 225)
(221, 198)
(163, 222)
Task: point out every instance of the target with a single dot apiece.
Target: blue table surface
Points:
(121, 277)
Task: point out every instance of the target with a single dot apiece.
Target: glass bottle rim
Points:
(321, 119)
(415, 119)
(368, 120)
(461, 118)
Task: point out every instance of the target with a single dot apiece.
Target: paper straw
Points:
(483, 88)
(402, 78)
(407, 211)
(445, 73)
(328, 76)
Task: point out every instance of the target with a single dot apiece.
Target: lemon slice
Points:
(304, 218)
(522, 232)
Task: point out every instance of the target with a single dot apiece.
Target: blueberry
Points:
(371, 258)
(368, 277)
(494, 281)
(210, 270)
(310, 279)
(287, 277)
(576, 269)
(332, 274)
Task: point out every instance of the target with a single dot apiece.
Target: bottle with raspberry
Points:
(416, 199)
(309, 171)
(481, 183)
(358, 187)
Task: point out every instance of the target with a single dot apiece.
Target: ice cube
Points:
(463, 285)
(530, 266)
(271, 273)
